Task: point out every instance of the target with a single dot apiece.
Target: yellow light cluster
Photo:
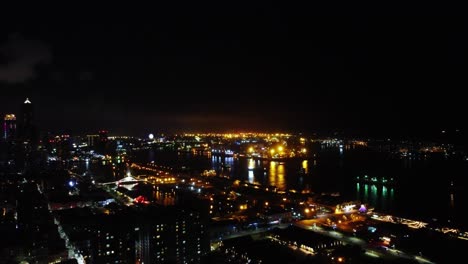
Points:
(10, 117)
(236, 135)
(163, 180)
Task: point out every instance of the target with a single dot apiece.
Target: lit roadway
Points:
(390, 253)
(249, 232)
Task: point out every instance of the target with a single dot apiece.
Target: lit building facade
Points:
(9, 127)
(137, 235)
(92, 140)
(171, 235)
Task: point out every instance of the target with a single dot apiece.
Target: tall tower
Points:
(103, 140)
(9, 127)
(27, 128)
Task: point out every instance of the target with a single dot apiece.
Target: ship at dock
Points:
(387, 181)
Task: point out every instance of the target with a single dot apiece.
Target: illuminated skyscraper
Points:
(9, 127)
(27, 113)
(27, 128)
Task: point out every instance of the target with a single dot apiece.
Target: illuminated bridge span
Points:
(128, 182)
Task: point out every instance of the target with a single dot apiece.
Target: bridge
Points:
(128, 182)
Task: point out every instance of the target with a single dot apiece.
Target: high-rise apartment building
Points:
(9, 127)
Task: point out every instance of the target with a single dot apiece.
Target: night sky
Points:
(240, 69)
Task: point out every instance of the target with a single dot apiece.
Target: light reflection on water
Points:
(384, 197)
(373, 195)
(280, 183)
(452, 200)
(164, 198)
(229, 161)
(305, 166)
(379, 196)
(323, 173)
(251, 176)
(272, 173)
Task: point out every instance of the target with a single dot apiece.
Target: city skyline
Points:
(242, 71)
(216, 133)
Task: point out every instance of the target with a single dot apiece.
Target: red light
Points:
(141, 199)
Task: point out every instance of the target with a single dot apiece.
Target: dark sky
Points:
(247, 69)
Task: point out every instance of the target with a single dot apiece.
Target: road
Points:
(249, 232)
(388, 254)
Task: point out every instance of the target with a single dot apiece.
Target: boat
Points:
(375, 180)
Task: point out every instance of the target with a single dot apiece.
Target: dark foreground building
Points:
(146, 234)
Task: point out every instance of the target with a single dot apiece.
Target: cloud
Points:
(22, 55)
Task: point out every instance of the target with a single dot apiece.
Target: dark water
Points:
(422, 186)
